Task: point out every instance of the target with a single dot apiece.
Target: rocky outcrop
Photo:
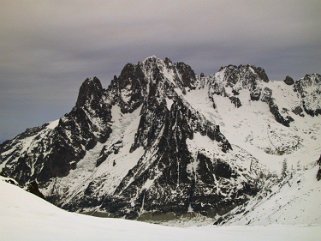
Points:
(33, 188)
(236, 101)
(319, 171)
(274, 109)
(298, 111)
(230, 80)
(309, 89)
(288, 80)
(188, 77)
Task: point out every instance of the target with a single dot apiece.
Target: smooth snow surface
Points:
(26, 217)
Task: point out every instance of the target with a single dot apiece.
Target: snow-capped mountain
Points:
(162, 140)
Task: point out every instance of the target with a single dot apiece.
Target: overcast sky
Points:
(47, 48)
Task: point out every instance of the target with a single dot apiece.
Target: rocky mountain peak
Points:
(183, 74)
(288, 80)
(231, 79)
(90, 90)
(244, 75)
(309, 89)
(153, 143)
(151, 77)
(153, 59)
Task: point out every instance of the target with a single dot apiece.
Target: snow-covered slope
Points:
(294, 200)
(253, 127)
(29, 218)
(161, 142)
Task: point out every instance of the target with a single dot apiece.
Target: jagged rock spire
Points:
(90, 90)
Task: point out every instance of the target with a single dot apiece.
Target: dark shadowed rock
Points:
(222, 169)
(309, 89)
(276, 113)
(319, 171)
(131, 86)
(298, 111)
(34, 189)
(236, 101)
(187, 73)
(90, 92)
(288, 80)
(266, 95)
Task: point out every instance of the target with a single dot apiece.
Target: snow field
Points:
(26, 217)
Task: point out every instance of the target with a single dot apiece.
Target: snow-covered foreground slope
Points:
(26, 217)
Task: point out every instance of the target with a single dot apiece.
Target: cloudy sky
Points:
(49, 47)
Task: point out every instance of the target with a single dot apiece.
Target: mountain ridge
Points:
(159, 139)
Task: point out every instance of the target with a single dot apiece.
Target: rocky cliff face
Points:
(148, 144)
(53, 150)
(309, 91)
(319, 169)
(230, 80)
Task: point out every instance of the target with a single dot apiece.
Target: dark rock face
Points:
(34, 189)
(274, 109)
(319, 171)
(54, 152)
(261, 72)
(11, 181)
(188, 75)
(153, 117)
(131, 85)
(236, 101)
(298, 111)
(276, 113)
(309, 88)
(222, 169)
(90, 91)
(288, 80)
(266, 95)
(78, 131)
(149, 78)
(169, 164)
